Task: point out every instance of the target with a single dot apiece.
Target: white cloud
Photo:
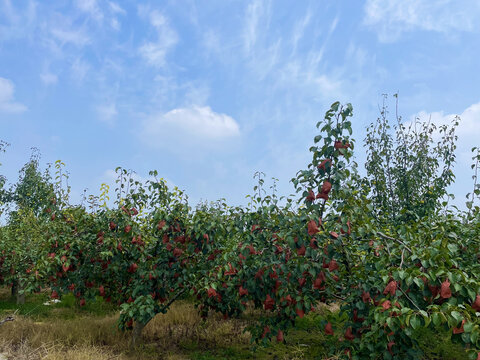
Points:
(469, 125)
(195, 125)
(328, 85)
(155, 52)
(48, 78)
(391, 18)
(91, 7)
(468, 133)
(107, 112)
(468, 130)
(7, 101)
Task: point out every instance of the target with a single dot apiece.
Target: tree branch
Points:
(401, 262)
(396, 240)
(8, 318)
(404, 293)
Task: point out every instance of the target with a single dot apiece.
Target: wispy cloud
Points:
(16, 22)
(299, 30)
(211, 43)
(391, 18)
(90, 7)
(292, 62)
(253, 14)
(7, 100)
(115, 24)
(117, 9)
(107, 113)
(76, 37)
(155, 52)
(100, 11)
(307, 71)
(48, 78)
(79, 70)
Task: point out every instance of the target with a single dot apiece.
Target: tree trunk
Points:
(14, 288)
(20, 294)
(137, 334)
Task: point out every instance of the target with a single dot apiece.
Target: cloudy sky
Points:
(208, 92)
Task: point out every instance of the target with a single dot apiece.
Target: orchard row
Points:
(392, 269)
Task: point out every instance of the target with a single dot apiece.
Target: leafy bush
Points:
(384, 246)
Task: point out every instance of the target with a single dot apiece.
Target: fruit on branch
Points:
(312, 227)
(445, 291)
(323, 164)
(390, 288)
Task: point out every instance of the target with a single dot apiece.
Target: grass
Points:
(65, 331)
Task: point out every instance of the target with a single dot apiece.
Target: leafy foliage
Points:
(409, 171)
(383, 246)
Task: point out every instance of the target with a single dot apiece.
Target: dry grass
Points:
(183, 324)
(165, 337)
(77, 332)
(82, 338)
(25, 351)
(64, 332)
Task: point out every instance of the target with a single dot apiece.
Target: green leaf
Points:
(423, 313)
(474, 336)
(472, 355)
(391, 323)
(468, 327)
(452, 247)
(415, 322)
(419, 282)
(457, 316)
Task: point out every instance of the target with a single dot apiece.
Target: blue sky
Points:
(208, 92)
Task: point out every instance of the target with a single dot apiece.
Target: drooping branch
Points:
(8, 318)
